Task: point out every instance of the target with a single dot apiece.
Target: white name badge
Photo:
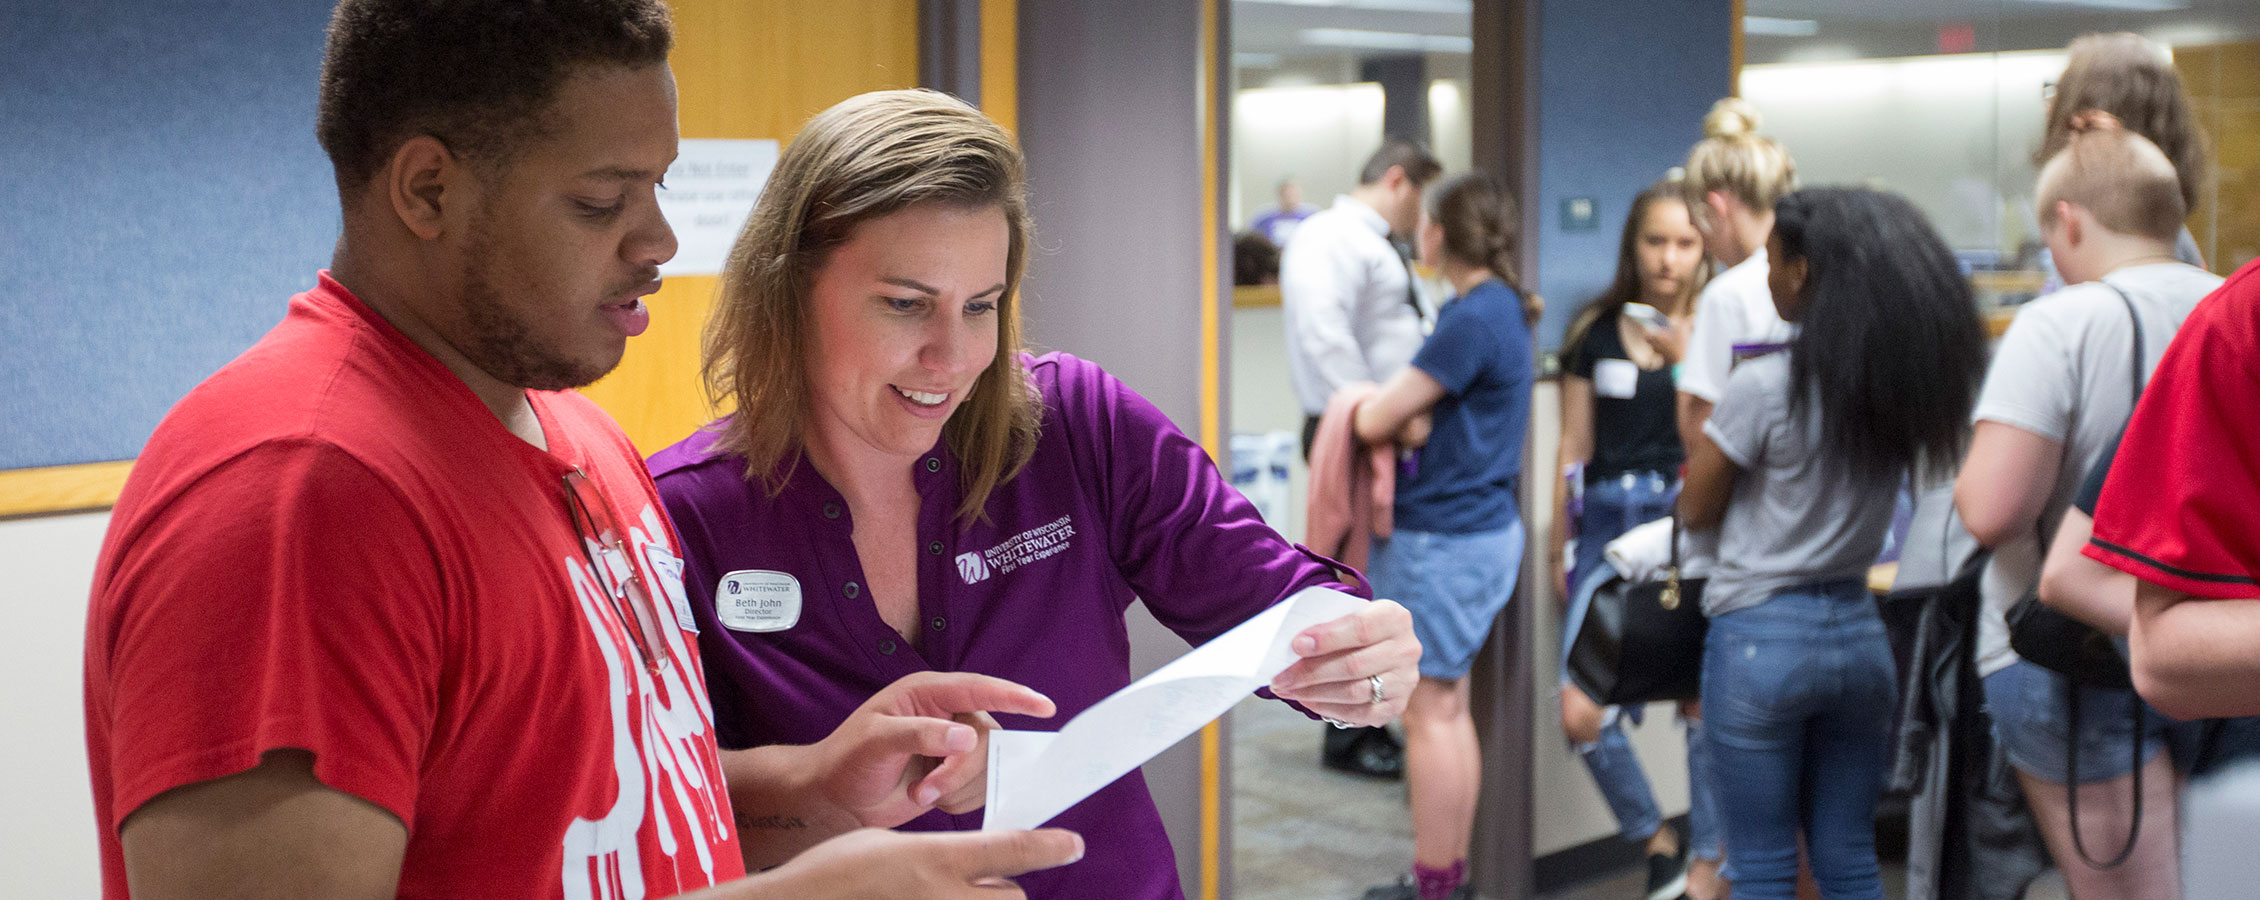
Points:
(1616, 379)
(757, 600)
(669, 568)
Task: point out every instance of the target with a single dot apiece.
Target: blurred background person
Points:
(1277, 222)
(1620, 455)
(1458, 543)
(1799, 469)
(2057, 394)
(1352, 315)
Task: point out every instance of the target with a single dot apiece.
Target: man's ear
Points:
(421, 179)
(1395, 178)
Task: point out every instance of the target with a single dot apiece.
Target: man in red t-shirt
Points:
(2181, 512)
(386, 610)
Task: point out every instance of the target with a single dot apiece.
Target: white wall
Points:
(1322, 134)
(47, 836)
(1955, 134)
(1319, 134)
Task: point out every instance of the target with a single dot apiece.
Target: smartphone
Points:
(1647, 316)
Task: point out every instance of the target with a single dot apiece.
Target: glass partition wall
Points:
(1316, 86)
(1943, 101)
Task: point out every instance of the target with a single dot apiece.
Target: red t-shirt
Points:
(332, 545)
(2181, 508)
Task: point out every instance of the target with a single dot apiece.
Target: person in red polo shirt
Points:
(2181, 513)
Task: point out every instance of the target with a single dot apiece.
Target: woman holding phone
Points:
(1620, 457)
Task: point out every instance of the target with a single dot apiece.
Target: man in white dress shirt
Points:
(1352, 315)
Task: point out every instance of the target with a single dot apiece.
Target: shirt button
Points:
(887, 647)
(831, 510)
(940, 623)
(933, 464)
(853, 589)
(934, 548)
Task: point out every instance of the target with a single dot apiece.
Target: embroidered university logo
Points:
(1041, 542)
(971, 568)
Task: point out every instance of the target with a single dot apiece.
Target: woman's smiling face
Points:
(903, 318)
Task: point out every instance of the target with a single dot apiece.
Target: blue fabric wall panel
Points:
(1622, 88)
(163, 197)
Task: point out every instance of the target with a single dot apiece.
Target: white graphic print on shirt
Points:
(656, 739)
(1041, 542)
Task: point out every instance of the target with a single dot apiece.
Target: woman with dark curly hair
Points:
(1799, 466)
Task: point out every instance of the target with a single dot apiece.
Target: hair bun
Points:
(1732, 115)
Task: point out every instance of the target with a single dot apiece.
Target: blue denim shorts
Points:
(1454, 585)
(2030, 715)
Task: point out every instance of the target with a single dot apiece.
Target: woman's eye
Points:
(902, 304)
(980, 307)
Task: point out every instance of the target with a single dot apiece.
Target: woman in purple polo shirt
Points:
(902, 489)
(1458, 541)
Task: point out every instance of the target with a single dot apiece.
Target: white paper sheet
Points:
(1035, 775)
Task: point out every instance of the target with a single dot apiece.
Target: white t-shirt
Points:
(1735, 308)
(1343, 291)
(2062, 372)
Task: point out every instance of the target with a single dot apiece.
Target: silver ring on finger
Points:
(1380, 695)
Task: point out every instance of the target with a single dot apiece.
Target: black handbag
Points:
(1642, 641)
(2060, 643)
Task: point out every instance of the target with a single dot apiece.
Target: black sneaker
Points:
(1372, 752)
(1667, 874)
(1401, 889)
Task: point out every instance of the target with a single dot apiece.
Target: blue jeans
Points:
(1616, 771)
(1614, 506)
(1798, 693)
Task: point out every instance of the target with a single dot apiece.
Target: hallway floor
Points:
(1302, 832)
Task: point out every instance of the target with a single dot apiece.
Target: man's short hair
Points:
(476, 74)
(2120, 178)
(1419, 165)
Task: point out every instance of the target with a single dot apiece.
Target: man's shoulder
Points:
(1333, 228)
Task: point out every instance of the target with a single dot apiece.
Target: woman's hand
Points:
(1341, 658)
(1415, 433)
(1667, 342)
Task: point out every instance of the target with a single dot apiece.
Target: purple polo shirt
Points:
(1116, 505)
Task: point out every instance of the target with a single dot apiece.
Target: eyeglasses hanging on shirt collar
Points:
(604, 546)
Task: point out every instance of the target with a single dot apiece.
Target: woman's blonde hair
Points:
(867, 157)
(1733, 157)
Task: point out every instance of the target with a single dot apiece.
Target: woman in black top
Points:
(1620, 456)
